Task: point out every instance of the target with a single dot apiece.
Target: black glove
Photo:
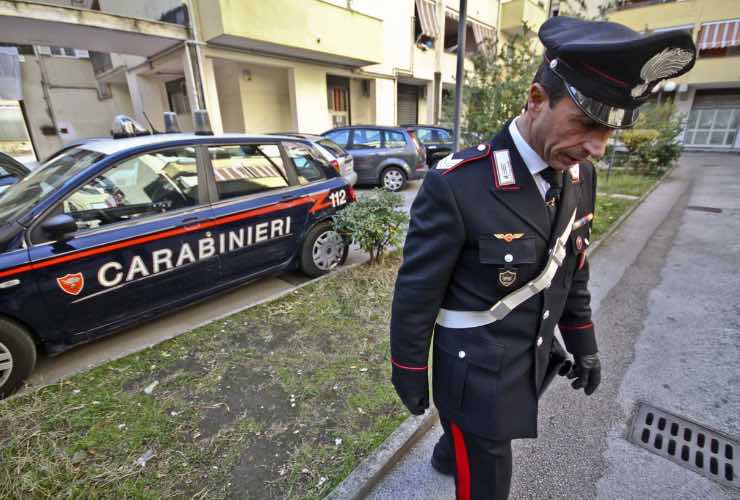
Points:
(413, 389)
(586, 372)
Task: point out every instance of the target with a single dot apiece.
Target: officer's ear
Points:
(537, 99)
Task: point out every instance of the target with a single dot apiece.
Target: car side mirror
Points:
(60, 227)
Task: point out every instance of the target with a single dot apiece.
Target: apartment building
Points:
(710, 93)
(283, 65)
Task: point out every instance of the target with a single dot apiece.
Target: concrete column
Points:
(147, 95)
(385, 102)
(211, 95)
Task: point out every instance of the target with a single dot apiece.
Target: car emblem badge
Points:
(508, 237)
(72, 283)
(507, 278)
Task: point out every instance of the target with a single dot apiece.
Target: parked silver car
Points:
(337, 157)
(385, 156)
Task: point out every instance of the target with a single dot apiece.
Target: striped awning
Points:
(427, 18)
(719, 34)
(482, 34)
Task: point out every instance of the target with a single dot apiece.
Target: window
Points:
(341, 137)
(424, 135)
(147, 184)
(306, 162)
(331, 146)
(366, 139)
(441, 136)
(394, 139)
(177, 96)
(247, 169)
(712, 127)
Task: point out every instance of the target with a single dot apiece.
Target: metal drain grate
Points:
(689, 444)
(705, 209)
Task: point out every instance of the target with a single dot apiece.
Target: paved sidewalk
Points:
(638, 275)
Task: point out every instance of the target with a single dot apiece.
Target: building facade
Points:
(278, 66)
(709, 95)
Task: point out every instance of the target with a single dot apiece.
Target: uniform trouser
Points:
(482, 466)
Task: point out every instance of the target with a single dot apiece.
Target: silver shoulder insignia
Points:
(447, 162)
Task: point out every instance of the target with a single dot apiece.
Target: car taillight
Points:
(351, 194)
(335, 165)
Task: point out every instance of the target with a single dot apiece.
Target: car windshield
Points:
(30, 191)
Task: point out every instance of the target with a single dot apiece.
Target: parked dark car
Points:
(437, 141)
(338, 158)
(112, 232)
(385, 156)
(11, 171)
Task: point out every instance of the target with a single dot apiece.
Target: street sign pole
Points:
(459, 75)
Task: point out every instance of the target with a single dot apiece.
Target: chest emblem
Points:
(508, 237)
(72, 283)
(507, 278)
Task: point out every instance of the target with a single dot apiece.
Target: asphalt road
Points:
(665, 305)
(50, 370)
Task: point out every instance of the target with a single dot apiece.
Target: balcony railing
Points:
(632, 4)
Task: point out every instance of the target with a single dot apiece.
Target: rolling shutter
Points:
(408, 104)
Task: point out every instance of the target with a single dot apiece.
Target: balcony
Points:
(309, 29)
(516, 13)
(631, 4)
(654, 15)
(712, 71)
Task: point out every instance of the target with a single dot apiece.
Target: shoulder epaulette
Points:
(454, 161)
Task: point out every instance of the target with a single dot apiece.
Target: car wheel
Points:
(17, 356)
(393, 179)
(323, 250)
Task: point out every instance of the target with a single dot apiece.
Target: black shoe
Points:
(442, 459)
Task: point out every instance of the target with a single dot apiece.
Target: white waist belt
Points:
(472, 319)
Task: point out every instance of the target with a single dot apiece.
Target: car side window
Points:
(366, 139)
(247, 169)
(147, 184)
(306, 162)
(442, 136)
(341, 137)
(3, 172)
(424, 135)
(394, 139)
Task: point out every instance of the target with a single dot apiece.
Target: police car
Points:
(112, 231)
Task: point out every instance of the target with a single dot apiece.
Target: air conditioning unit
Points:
(43, 50)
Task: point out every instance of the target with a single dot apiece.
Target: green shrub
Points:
(374, 222)
(652, 146)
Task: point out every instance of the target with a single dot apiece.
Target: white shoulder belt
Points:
(472, 319)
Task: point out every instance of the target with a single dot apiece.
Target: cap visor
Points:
(610, 116)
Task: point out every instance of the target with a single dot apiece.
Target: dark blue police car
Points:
(110, 232)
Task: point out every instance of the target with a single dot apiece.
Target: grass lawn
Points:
(624, 183)
(282, 400)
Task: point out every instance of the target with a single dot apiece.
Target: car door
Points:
(259, 213)
(141, 246)
(366, 148)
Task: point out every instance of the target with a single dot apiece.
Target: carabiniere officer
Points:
(495, 255)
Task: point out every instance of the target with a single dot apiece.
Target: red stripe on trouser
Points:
(461, 462)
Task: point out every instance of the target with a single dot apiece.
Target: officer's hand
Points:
(413, 389)
(586, 372)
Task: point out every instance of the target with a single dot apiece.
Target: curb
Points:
(371, 470)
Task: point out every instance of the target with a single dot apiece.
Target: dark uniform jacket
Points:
(487, 379)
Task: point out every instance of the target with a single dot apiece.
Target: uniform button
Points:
(546, 314)
(539, 341)
(461, 354)
(508, 257)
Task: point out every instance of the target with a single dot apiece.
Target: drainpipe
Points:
(439, 46)
(45, 88)
(459, 74)
(195, 57)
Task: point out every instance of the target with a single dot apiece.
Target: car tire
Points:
(17, 356)
(393, 179)
(323, 249)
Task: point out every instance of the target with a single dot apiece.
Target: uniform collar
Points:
(532, 160)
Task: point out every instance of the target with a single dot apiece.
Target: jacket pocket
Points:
(493, 250)
(466, 362)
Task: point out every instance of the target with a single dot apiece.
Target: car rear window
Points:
(332, 146)
(247, 169)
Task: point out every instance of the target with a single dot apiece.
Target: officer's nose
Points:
(596, 143)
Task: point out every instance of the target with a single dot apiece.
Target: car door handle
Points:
(191, 223)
